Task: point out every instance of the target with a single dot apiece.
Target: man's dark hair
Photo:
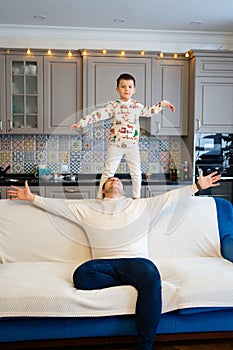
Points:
(126, 76)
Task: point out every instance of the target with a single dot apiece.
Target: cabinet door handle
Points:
(157, 127)
(1, 125)
(71, 190)
(10, 125)
(198, 124)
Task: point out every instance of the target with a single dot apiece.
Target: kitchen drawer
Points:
(155, 190)
(70, 192)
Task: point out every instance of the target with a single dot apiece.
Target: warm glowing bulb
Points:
(175, 55)
(186, 54)
(8, 52)
(104, 52)
(142, 53)
(84, 52)
(122, 53)
(69, 54)
(161, 55)
(49, 52)
(28, 52)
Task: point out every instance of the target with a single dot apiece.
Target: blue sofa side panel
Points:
(31, 329)
(225, 225)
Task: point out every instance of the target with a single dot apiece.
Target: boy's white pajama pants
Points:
(132, 158)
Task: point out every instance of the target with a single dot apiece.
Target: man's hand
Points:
(210, 180)
(23, 194)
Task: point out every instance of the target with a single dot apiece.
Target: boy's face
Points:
(126, 89)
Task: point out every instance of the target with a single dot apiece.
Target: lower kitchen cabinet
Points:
(37, 190)
(70, 192)
(128, 190)
(155, 190)
(83, 192)
(2, 192)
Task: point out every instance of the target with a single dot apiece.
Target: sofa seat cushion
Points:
(196, 282)
(46, 289)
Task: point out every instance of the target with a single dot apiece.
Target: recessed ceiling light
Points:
(119, 20)
(39, 17)
(196, 23)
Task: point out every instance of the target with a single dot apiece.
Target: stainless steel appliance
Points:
(214, 152)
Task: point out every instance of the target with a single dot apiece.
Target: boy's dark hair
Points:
(126, 76)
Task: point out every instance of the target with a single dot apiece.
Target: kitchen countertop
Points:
(84, 180)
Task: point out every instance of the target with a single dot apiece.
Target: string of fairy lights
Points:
(121, 53)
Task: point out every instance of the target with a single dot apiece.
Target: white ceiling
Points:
(138, 14)
(200, 17)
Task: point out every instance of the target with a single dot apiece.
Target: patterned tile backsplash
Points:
(84, 154)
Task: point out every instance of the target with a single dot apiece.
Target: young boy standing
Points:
(125, 130)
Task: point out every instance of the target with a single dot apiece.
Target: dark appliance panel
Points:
(225, 190)
(214, 152)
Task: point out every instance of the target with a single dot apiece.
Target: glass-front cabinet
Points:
(24, 94)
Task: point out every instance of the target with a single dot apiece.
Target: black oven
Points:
(214, 152)
(225, 190)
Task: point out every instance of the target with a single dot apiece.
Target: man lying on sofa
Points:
(117, 228)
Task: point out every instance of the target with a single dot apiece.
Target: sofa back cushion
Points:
(188, 230)
(31, 234)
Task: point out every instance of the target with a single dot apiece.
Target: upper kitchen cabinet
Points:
(101, 73)
(170, 82)
(24, 95)
(62, 93)
(211, 92)
(2, 94)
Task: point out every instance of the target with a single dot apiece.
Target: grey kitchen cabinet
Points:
(211, 95)
(128, 189)
(101, 72)
(155, 190)
(2, 192)
(215, 64)
(37, 190)
(2, 94)
(213, 105)
(170, 81)
(62, 93)
(70, 192)
(24, 94)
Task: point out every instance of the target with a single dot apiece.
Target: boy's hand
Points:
(76, 126)
(171, 106)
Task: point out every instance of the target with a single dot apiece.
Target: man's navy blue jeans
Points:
(138, 272)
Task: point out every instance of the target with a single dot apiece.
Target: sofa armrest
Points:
(227, 248)
(225, 225)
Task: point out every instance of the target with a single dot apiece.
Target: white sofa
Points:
(39, 252)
